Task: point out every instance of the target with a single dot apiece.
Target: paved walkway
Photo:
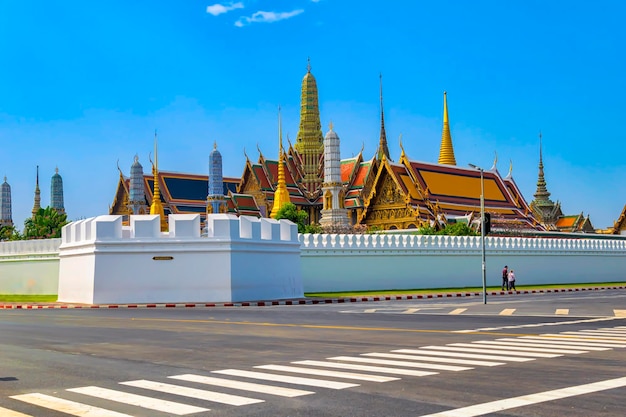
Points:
(300, 301)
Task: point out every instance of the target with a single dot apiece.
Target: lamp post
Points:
(482, 229)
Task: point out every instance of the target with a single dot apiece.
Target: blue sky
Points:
(84, 84)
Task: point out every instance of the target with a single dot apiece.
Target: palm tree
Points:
(45, 224)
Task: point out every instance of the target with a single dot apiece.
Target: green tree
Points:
(9, 233)
(46, 224)
(289, 211)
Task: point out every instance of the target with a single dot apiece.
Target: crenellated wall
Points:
(29, 266)
(378, 262)
(237, 259)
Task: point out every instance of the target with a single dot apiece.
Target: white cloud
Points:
(218, 9)
(266, 17)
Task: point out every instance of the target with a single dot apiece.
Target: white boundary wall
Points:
(29, 266)
(381, 262)
(239, 259)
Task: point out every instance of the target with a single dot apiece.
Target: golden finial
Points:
(446, 151)
(402, 154)
(308, 64)
(510, 168)
(157, 207)
(330, 125)
(214, 144)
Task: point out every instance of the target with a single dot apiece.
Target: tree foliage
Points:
(453, 229)
(46, 224)
(289, 211)
(9, 233)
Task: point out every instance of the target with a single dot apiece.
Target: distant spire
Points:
(281, 195)
(383, 149)
(157, 206)
(56, 192)
(37, 204)
(446, 152)
(541, 195)
(5, 204)
(136, 192)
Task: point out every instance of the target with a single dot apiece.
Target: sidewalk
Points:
(299, 301)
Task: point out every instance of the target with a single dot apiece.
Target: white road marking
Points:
(217, 397)
(507, 311)
(324, 372)
(370, 310)
(5, 412)
(548, 344)
(491, 351)
(288, 379)
(619, 313)
(562, 311)
(526, 400)
(457, 311)
(68, 407)
(523, 347)
(400, 363)
(612, 333)
(410, 311)
(565, 338)
(464, 355)
(139, 400)
(433, 359)
(381, 369)
(596, 336)
(246, 386)
(521, 326)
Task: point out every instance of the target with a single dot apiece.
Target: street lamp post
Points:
(482, 230)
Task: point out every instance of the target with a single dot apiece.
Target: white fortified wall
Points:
(29, 266)
(238, 259)
(333, 262)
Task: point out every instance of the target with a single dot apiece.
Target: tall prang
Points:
(383, 149)
(334, 213)
(546, 211)
(216, 203)
(56, 192)
(5, 204)
(310, 140)
(446, 151)
(37, 203)
(137, 191)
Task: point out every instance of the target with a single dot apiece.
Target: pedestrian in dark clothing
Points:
(505, 278)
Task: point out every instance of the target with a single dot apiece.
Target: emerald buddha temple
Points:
(373, 191)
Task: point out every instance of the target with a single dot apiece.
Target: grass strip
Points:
(28, 298)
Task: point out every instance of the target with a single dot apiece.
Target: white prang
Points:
(239, 259)
(333, 210)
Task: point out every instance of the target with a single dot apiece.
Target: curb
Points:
(306, 301)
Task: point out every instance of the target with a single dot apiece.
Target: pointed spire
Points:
(37, 204)
(157, 207)
(281, 195)
(383, 149)
(446, 152)
(542, 195)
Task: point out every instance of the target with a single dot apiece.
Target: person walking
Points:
(505, 278)
(512, 280)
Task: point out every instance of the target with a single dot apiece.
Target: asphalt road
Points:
(446, 355)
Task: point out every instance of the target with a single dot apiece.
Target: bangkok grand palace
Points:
(374, 191)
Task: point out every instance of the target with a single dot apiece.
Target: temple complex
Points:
(376, 191)
(6, 218)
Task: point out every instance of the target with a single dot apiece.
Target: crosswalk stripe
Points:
(507, 312)
(547, 343)
(565, 338)
(246, 386)
(324, 372)
(5, 412)
(410, 311)
(65, 406)
(139, 400)
(370, 310)
(492, 351)
(562, 311)
(607, 333)
(613, 330)
(525, 400)
(465, 355)
(287, 379)
(217, 397)
(523, 347)
(596, 336)
(457, 311)
(400, 363)
(433, 359)
(619, 313)
(381, 369)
